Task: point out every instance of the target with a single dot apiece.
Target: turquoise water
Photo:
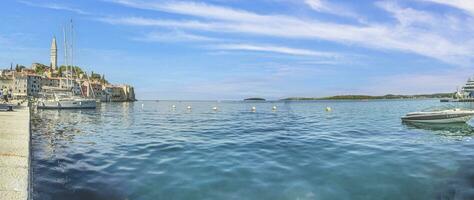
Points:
(146, 150)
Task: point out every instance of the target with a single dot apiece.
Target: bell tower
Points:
(54, 55)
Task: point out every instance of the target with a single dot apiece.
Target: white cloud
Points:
(407, 16)
(174, 36)
(401, 37)
(55, 6)
(316, 4)
(275, 49)
(465, 5)
(195, 9)
(325, 6)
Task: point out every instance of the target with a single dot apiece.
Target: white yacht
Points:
(455, 115)
(467, 91)
(463, 94)
(64, 100)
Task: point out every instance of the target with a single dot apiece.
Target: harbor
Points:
(55, 86)
(26, 90)
(236, 100)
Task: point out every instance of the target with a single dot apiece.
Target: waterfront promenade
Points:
(14, 153)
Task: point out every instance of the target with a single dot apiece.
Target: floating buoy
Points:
(173, 106)
(328, 109)
(274, 108)
(214, 108)
(189, 107)
(253, 109)
(143, 105)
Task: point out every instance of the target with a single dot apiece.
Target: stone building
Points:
(26, 86)
(117, 93)
(93, 89)
(51, 82)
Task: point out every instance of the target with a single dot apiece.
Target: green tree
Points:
(18, 68)
(40, 68)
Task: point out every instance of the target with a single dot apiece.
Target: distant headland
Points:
(254, 99)
(368, 97)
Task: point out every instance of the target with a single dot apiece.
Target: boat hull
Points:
(72, 104)
(441, 118)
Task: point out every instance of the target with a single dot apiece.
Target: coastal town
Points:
(22, 84)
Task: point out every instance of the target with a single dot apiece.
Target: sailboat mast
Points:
(72, 48)
(65, 54)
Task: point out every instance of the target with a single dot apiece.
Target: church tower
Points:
(54, 55)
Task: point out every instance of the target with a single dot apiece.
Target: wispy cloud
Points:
(398, 37)
(55, 6)
(407, 16)
(274, 49)
(325, 6)
(465, 5)
(195, 9)
(174, 36)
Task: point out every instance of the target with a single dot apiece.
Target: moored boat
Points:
(68, 104)
(64, 100)
(440, 116)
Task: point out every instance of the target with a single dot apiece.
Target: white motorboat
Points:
(440, 116)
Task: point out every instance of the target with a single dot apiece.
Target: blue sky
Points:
(231, 49)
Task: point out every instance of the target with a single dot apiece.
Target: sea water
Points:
(149, 150)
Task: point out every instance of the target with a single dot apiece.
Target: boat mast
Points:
(71, 67)
(72, 44)
(65, 54)
(72, 47)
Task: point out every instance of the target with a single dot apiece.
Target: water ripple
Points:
(360, 150)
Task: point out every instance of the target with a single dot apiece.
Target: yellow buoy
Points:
(328, 109)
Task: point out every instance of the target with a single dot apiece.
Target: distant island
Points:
(368, 97)
(254, 99)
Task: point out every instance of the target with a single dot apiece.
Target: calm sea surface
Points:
(146, 150)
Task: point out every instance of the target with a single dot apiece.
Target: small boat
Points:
(440, 116)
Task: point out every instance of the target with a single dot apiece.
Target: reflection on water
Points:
(360, 150)
(447, 129)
